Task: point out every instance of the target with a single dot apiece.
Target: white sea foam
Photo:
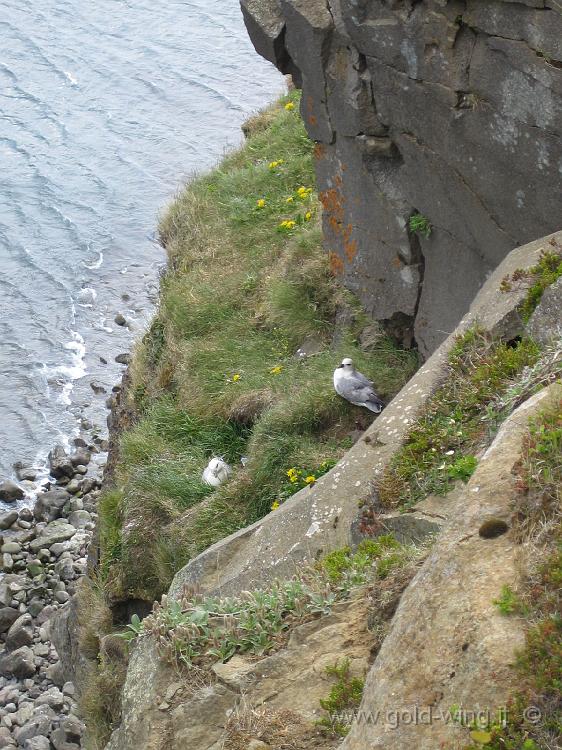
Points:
(63, 376)
(96, 263)
(87, 296)
(71, 78)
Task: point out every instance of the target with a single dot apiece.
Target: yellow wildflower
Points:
(293, 475)
(290, 199)
(261, 203)
(236, 377)
(275, 505)
(276, 370)
(288, 224)
(303, 192)
(308, 216)
(310, 479)
(275, 164)
(289, 106)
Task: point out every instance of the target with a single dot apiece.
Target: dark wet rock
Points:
(123, 359)
(97, 387)
(20, 633)
(8, 616)
(27, 473)
(18, 663)
(60, 463)
(120, 319)
(81, 457)
(8, 519)
(10, 491)
(49, 505)
(26, 514)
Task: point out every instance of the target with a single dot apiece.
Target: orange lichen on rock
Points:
(319, 151)
(336, 264)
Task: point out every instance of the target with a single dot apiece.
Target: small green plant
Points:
(463, 468)
(419, 224)
(342, 565)
(133, 630)
(508, 602)
(344, 698)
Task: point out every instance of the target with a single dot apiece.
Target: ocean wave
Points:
(96, 263)
(63, 376)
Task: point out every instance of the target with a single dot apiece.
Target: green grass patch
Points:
(457, 421)
(535, 280)
(248, 283)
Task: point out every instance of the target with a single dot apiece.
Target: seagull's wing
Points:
(362, 378)
(355, 390)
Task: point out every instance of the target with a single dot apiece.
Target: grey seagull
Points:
(355, 387)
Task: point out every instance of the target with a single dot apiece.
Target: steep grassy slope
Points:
(218, 372)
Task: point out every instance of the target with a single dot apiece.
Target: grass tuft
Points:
(535, 280)
(420, 224)
(458, 420)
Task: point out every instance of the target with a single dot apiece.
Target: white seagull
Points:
(216, 472)
(355, 387)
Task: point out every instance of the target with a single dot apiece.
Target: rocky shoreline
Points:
(44, 553)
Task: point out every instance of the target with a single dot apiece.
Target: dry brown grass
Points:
(279, 730)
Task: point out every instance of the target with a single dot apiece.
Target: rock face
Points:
(472, 645)
(161, 714)
(448, 110)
